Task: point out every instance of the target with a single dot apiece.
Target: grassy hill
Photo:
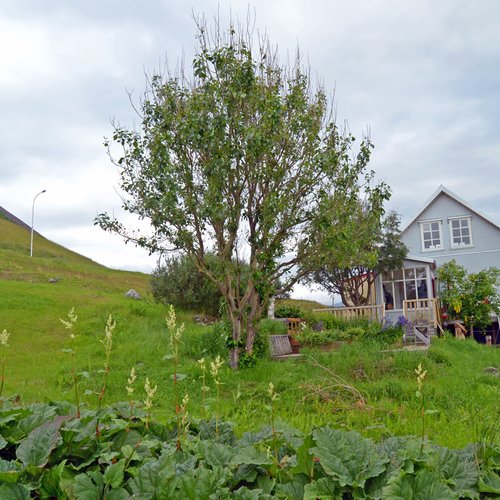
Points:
(30, 306)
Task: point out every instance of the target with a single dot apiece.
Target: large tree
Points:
(241, 159)
(375, 246)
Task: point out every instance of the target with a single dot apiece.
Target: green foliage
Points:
(136, 458)
(178, 282)
(287, 311)
(470, 297)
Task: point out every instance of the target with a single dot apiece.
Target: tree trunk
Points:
(237, 328)
(252, 317)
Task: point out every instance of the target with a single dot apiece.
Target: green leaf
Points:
(113, 475)
(3, 442)
(9, 471)
(85, 489)
(203, 483)
(37, 447)
(214, 454)
(324, 488)
(294, 490)
(153, 481)
(458, 469)
(118, 494)
(425, 485)
(14, 492)
(489, 482)
(244, 493)
(51, 481)
(305, 459)
(347, 456)
(251, 456)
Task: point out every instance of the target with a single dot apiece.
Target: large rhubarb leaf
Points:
(347, 456)
(154, 481)
(489, 482)
(37, 447)
(203, 483)
(458, 470)
(324, 488)
(425, 485)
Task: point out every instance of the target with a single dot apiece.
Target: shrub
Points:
(288, 312)
(179, 283)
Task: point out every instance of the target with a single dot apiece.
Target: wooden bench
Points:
(280, 347)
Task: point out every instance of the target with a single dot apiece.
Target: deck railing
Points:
(374, 312)
(423, 310)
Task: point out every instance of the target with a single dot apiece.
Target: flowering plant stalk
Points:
(4, 339)
(215, 366)
(148, 402)
(273, 397)
(130, 390)
(420, 395)
(108, 344)
(204, 387)
(69, 324)
(175, 341)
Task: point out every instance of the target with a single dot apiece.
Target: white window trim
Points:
(429, 221)
(460, 217)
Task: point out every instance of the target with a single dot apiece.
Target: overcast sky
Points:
(423, 76)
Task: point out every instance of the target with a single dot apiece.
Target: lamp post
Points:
(33, 219)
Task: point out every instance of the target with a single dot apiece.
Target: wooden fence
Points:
(374, 312)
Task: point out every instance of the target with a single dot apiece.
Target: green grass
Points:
(377, 397)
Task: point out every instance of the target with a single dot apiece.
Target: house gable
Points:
(449, 228)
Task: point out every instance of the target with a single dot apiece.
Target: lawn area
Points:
(361, 386)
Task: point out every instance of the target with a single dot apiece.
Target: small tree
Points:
(470, 297)
(242, 160)
(374, 245)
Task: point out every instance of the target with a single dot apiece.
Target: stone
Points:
(132, 294)
(53, 280)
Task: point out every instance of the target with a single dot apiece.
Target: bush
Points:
(288, 312)
(178, 282)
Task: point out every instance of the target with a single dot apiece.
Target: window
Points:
(405, 284)
(431, 235)
(460, 232)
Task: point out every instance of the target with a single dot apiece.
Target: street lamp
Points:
(33, 219)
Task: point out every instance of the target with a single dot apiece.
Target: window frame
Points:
(440, 229)
(460, 218)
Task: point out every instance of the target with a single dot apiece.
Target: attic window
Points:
(431, 235)
(460, 232)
